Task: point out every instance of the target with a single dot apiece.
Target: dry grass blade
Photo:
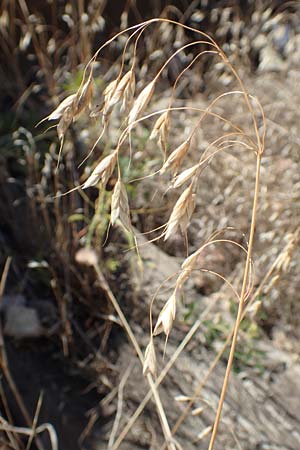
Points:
(161, 412)
(163, 374)
(119, 407)
(27, 431)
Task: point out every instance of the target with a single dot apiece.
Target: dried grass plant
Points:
(120, 100)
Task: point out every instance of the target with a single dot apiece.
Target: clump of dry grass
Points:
(62, 224)
(235, 139)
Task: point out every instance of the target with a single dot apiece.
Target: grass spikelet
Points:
(167, 316)
(182, 213)
(190, 261)
(103, 171)
(140, 103)
(159, 124)
(184, 176)
(114, 92)
(204, 433)
(83, 97)
(120, 206)
(149, 365)
(64, 122)
(128, 93)
(176, 157)
(59, 111)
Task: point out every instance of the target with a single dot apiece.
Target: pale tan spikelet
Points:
(176, 157)
(198, 411)
(75, 103)
(140, 103)
(185, 274)
(59, 111)
(253, 309)
(184, 176)
(102, 171)
(164, 133)
(167, 315)
(108, 93)
(110, 88)
(129, 93)
(190, 262)
(182, 398)
(121, 86)
(120, 206)
(64, 122)
(116, 92)
(204, 433)
(181, 214)
(187, 266)
(149, 365)
(158, 124)
(83, 98)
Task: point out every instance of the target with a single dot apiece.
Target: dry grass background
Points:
(44, 233)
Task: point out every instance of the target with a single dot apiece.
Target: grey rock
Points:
(22, 322)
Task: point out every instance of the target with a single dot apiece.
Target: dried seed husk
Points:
(158, 124)
(190, 262)
(128, 93)
(75, 103)
(108, 93)
(149, 365)
(140, 103)
(184, 176)
(120, 88)
(114, 92)
(163, 134)
(198, 411)
(110, 88)
(64, 122)
(83, 98)
(120, 206)
(167, 315)
(103, 171)
(204, 433)
(176, 157)
(59, 111)
(181, 214)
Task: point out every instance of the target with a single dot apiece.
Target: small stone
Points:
(22, 322)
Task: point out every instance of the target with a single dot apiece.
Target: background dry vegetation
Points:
(64, 355)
